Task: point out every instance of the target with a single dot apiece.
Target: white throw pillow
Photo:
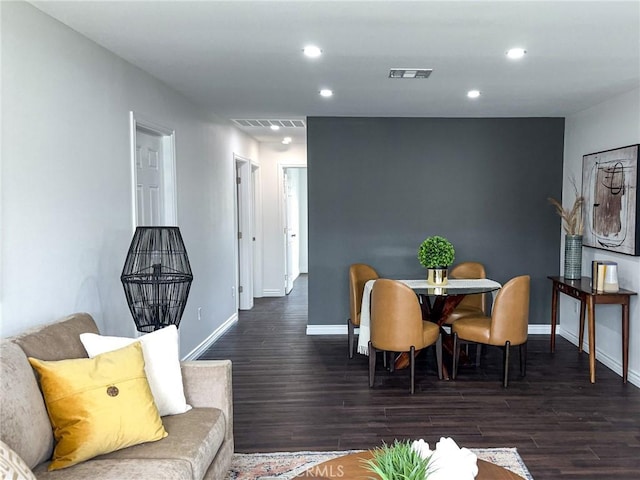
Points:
(162, 364)
(12, 466)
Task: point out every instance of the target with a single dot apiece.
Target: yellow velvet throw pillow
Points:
(98, 405)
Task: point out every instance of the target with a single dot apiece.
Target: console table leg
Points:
(554, 316)
(592, 339)
(625, 341)
(581, 338)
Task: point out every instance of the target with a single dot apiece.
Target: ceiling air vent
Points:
(259, 123)
(410, 72)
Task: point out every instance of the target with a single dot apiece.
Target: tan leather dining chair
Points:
(397, 326)
(507, 326)
(470, 304)
(359, 274)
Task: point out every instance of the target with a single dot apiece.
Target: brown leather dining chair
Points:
(470, 304)
(507, 326)
(359, 274)
(397, 326)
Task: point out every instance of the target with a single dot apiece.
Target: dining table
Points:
(436, 302)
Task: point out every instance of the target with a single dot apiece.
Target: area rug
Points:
(286, 465)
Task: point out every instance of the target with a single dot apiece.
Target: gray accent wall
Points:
(379, 186)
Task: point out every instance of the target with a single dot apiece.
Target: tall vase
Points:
(573, 257)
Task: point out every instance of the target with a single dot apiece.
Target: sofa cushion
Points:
(149, 469)
(194, 436)
(161, 364)
(25, 426)
(98, 405)
(57, 341)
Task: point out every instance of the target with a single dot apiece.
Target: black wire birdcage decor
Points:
(156, 277)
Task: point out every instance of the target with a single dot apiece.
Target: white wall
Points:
(66, 181)
(272, 157)
(612, 124)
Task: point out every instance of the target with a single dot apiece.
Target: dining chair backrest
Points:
(471, 270)
(396, 317)
(359, 274)
(510, 315)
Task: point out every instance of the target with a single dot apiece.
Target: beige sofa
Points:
(199, 444)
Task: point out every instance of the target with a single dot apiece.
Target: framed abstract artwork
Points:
(611, 200)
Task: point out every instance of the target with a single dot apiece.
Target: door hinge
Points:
(240, 289)
(239, 235)
(238, 180)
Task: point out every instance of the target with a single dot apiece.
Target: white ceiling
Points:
(243, 59)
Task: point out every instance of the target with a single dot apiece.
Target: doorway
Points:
(245, 231)
(295, 228)
(153, 173)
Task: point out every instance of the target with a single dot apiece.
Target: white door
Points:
(149, 181)
(244, 234)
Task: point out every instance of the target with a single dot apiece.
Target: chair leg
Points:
(439, 356)
(350, 336)
(523, 359)
(456, 354)
(478, 353)
(412, 363)
(505, 379)
(372, 364)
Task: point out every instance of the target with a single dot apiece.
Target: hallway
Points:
(298, 392)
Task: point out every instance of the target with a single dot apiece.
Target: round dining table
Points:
(437, 303)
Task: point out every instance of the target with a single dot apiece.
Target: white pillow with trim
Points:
(12, 467)
(162, 364)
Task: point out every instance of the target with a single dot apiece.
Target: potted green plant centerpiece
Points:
(436, 254)
(406, 460)
(399, 461)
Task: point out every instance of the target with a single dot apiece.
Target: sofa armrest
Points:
(207, 383)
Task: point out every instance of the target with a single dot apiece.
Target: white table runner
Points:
(452, 284)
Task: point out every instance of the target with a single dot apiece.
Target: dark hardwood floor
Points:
(298, 392)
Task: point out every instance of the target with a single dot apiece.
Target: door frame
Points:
(243, 222)
(169, 179)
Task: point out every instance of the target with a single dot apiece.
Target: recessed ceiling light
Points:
(473, 93)
(325, 92)
(286, 140)
(312, 51)
(516, 53)
(275, 127)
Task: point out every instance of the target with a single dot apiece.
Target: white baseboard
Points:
(270, 292)
(210, 340)
(537, 329)
(632, 376)
(327, 329)
(342, 329)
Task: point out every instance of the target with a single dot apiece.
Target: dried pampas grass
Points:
(572, 220)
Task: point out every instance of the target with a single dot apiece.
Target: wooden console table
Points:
(589, 298)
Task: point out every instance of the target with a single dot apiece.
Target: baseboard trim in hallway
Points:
(211, 339)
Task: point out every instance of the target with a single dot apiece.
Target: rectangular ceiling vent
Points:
(410, 72)
(286, 123)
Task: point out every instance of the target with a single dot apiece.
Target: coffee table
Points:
(350, 466)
